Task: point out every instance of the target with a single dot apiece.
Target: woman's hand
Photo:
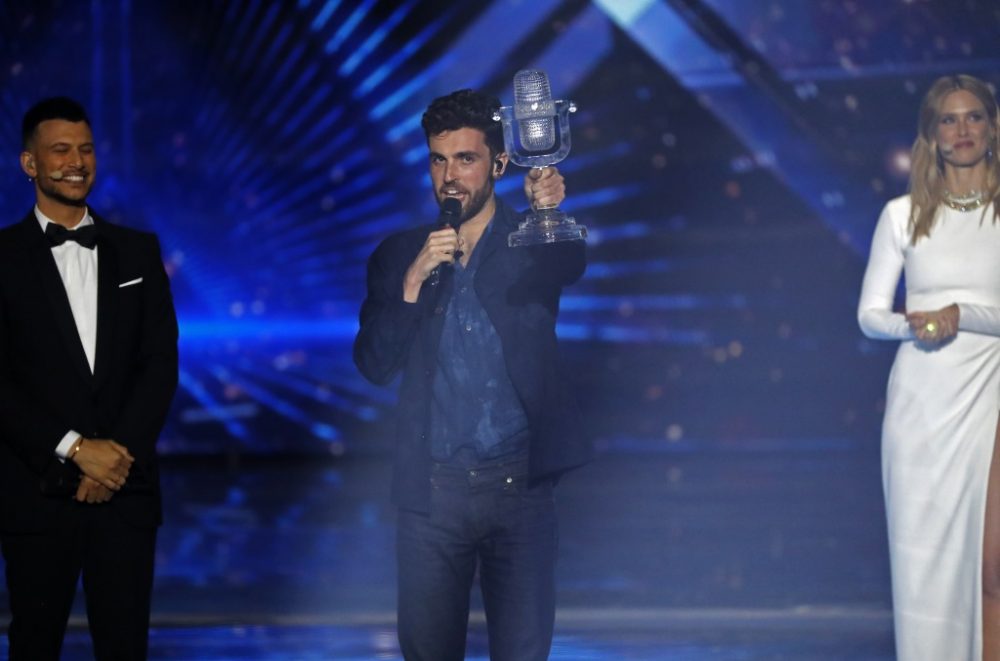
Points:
(935, 327)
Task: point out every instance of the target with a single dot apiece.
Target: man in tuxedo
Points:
(88, 367)
(485, 422)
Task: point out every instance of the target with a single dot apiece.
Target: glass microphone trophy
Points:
(538, 144)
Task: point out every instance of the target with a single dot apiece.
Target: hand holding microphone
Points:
(448, 219)
(441, 247)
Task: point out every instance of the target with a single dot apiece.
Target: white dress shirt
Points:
(78, 270)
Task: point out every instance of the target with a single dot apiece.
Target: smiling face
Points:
(962, 132)
(60, 158)
(461, 167)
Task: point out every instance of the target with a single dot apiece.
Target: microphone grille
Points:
(532, 95)
(451, 207)
(534, 110)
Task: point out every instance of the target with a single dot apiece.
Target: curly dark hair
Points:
(465, 109)
(57, 107)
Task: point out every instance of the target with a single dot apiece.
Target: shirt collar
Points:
(44, 220)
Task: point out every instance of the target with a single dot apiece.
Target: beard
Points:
(50, 191)
(477, 200)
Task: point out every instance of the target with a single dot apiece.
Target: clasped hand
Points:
(934, 327)
(105, 465)
(92, 491)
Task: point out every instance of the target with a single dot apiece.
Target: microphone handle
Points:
(434, 279)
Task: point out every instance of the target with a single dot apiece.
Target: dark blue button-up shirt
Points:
(473, 405)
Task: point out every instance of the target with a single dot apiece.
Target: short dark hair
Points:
(57, 107)
(465, 109)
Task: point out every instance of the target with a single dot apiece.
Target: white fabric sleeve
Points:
(66, 444)
(976, 318)
(885, 266)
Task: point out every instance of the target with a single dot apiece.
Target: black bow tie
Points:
(57, 235)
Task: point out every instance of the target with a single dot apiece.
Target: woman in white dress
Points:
(940, 474)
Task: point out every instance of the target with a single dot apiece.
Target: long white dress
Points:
(940, 422)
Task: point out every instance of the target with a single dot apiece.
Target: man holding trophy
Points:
(486, 424)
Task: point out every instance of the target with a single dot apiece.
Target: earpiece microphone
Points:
(56, 175)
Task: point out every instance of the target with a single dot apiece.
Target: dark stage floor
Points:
(761, 550)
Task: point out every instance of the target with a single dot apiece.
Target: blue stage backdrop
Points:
(730, 158)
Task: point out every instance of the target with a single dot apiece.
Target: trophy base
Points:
(546, 226)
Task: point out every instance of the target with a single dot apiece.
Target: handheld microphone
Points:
(450, 216)
(534, 110)
(451, 212)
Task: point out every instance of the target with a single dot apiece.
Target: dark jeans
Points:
(494, 517)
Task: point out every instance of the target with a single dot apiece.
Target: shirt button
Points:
(468, 327)
(464, 289)
(473, 473)
(510, 480)
(438, 310)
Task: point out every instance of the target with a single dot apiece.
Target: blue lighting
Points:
(404, 52)
(324, 14)
(279, 143)
(404, 92)
(662, 302)
(258, 329)
(606, 270)
(345, 29)
(197, 390)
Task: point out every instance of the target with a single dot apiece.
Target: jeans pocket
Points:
(534, 495)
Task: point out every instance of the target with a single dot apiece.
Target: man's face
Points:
(61, 160)
(461, 167)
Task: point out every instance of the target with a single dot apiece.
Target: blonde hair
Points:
(927, 165)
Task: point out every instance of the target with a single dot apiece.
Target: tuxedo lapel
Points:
(107, 306)
(40, 256)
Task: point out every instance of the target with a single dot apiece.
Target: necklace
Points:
(966, 202)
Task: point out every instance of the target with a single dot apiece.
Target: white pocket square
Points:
(130, 283)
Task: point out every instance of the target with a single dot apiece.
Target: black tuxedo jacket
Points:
(520, 289)
(47, 388)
